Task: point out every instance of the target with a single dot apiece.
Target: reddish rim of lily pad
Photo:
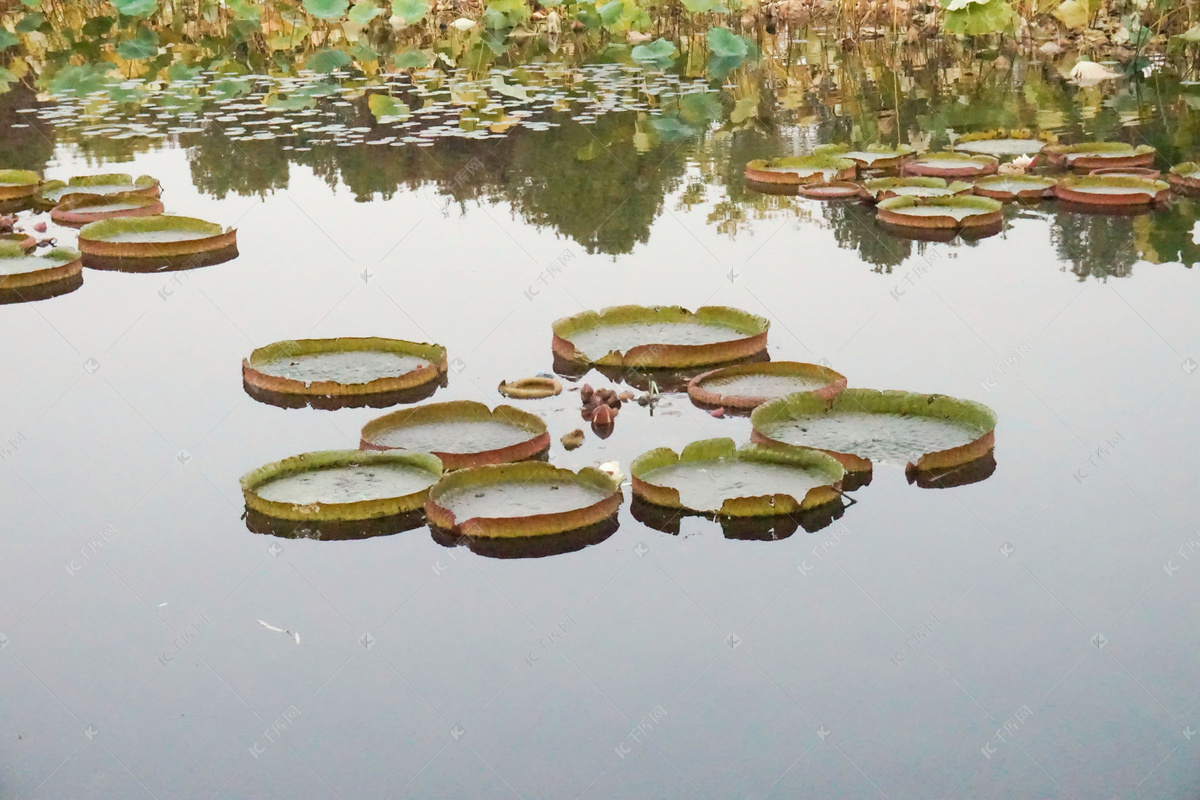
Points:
(77, 210)
(1151, 191)
(883, 188)
(835, 382)
(742, 506)
(63, 264)
(928, 165)
(525, 473)
(1185, 177)
(748, 336)
(20, 239)
(1130, 172)
(797, 170)
(939, 406)
(435, 354)
(94, 237)
(144, 185)
(464, 411)
(831, 190)
(989, 212)
(1039, 188)
(1087, 156)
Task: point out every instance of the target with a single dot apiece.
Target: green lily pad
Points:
(951, 165)
(1015, 187)
(51, 192)
(883, 188)
(1001, 142)
(815, 168)
(345, 366)
(955, 212)
(1099, 155)
(746, 386)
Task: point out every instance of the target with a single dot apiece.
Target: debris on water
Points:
(612, 468)
(291, 635)
(572, 440)
(40, 227)
(717, 412)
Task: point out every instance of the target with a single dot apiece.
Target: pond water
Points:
(876, 657)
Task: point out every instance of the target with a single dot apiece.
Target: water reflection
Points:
(760, 529)
(529, 546)
(333, 530)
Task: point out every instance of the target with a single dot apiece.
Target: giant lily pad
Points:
(159, 236)
(1107, 190)
(1007, 188)
(747, 386)
(51, 192)
(531, 498)
(925, 431)
(341, 485)
(1096, 155)
(16, 184)
(951, 165)
(1127, 172)
(1185, 177)
(714, 476)
(946, 213)
(873, 156)
(310, 368)
(1003, 142)
(659, 336)
(24, 276)
(883, 188)
(801, 169)
(76, 210)
(462, 433)
(830, 190)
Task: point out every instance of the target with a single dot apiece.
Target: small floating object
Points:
(831, 190)
(871, 157)
(531, 498)
(25, 276)
(796, 170)
(1007, 188)
(17, 184)
(883, 188)
(748, 386)
(924, 431)
(951, 165)
(1088, 156)
(341, 485)
(713, 476)
(572, 440)
(1106, 190)
(1185, 177)
(943, 213)
(1002, 142)
(530, 388)
(1128, 172)
(659, 336)
(344, 366)
(462, 433)
(156, 237)
(1090, 73)
(51, 192)
(77, 210)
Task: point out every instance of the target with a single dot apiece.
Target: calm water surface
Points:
(881, 656)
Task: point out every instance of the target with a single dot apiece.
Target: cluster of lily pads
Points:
(962, 191)
(122, 226)
(478, 475)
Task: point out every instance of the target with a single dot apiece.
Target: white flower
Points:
(463, 24)
(1089, 73)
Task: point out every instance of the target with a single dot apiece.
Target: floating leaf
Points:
(462, 433)
(327, 60)
(659, 50)
(411, 59)
(411, 11)
(136, 8)
(724, 43)
(517, 92)
(327, 9)
(80, 79)
(142, 46)
(386, 107)
(700, 108)
(364, 11)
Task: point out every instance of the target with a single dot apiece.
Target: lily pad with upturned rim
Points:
(1007, 188)
(341, 485)
(801, 169)
(1107, 190)
(1087, 156)
(17, 184)
(535, 388)
(831, 190)
(462, 433)
(51, 192)
(159, 236)
(945, 213)
(871, 157)
(20, 270)
(1002, 142)
(1127, 172)
(659, 336)
(76, 210)
(914, 186)
(747, 386)
(530, 498)
(313, 366)
(715, 476)
(928, 431)
(20, 239)
(1185, 177)
(951, 165)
